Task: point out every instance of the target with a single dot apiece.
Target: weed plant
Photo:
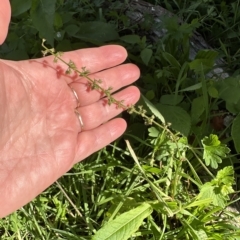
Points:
(174, 179)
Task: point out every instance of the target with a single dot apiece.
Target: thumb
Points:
(5, 15)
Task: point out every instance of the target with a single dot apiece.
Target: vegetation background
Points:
(167, 181)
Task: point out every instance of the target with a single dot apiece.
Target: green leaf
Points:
(171, 99)
(204, 61)
(214, 151)
(150, 94)
(153, 109)
(132, 39)
(153, 132)
(226, 175)
(171, 60)
(219, 188)
(236, 132)
(213, 92)
(178, 117)
(96, 32)
(197, 109)
(42, 13)
(192, 88)
(207, 54)
(72, 29)
(229, 89)
(17, 55)
(208, 191)
(202, 234)
(201, 65)
(146, 55)
(150, 169)
(58, 23)
(197, 203)
(225, 179)
(233, 107)
(20, 6)
(124, 225)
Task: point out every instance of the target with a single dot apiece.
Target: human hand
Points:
(5, 14)
(40, 135)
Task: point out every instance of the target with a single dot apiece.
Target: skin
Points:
(40, 135)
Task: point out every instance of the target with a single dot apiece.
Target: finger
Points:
(97, 113)
(98, 138)
(5, 14)
(93, 59)
(114, 78)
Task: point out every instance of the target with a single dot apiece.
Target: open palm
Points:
(41, 137)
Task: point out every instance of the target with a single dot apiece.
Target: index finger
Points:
(93, 59)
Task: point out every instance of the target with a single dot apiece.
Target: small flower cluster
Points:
(95, 84)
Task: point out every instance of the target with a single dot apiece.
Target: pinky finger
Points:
(93, 140)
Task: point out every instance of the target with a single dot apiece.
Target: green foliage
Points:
(157, 187)
(214, 151)
(219, 23)
(42, 14)
(96, 32)
(229, 91)
(235, 132)
(124, 225)
(18, 7)
(177, 116)
(204, 61)
(219, 188)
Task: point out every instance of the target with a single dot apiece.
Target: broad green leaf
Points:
(201, 65)
(207, 54)
(208, 191)
(146, 55)
(124, 225)
(236, 132)
(42, 13)
(213, 92)
(171, 60)
(204, 61)
(72, 29)
(131, 39)
(197, 109)
(214, 151)
(58, 23)
(178, 117)
(20, 6)
(64, 45)
(171, 99)
(17, 55)
(230, 94)
(219, 188)
(192, 88)
(96, 32)
(233, 107)
(229, 89)
(153, 109)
